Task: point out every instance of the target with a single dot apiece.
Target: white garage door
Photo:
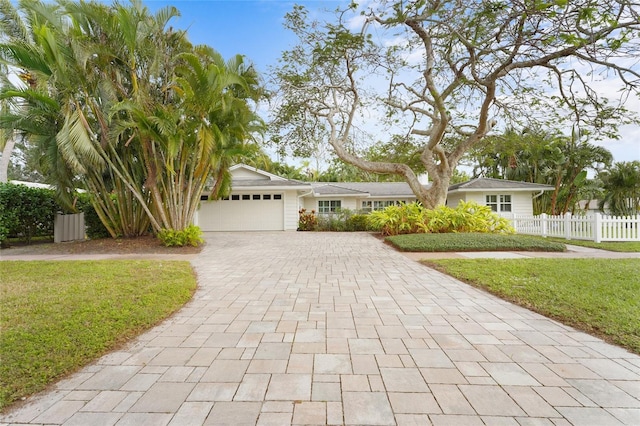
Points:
(243, 212)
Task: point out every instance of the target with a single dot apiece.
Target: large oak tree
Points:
(448, 71)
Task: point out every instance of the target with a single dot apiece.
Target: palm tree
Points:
(143, 118)
(621, 189)
(186, 143)
(537, 156)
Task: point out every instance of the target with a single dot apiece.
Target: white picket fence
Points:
(594, 227)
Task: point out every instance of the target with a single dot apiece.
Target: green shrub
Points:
(357, 222)
(333, 222)
(399, 219)
(472, 242)
(94, 227)
(413, 219)
(466, 217)
(190, 236)
(26, 212)
(307, 221)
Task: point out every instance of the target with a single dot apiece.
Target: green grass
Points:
(57, 316)
(472, 242)
(621, 246)
(598, 296)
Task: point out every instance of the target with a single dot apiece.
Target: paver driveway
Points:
(325, 328)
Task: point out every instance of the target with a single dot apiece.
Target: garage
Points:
(256, 211)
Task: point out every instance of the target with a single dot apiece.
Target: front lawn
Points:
(620, 246)
(58, 316)
(472, 242)
(598, 296)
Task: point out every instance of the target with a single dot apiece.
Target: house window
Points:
(246, 196)
(499, 203)
(266, 197)
(366, 206)
(328, 206)
(235, 197)
(256, 196)
(381, 205)
(492, 201)
(277, 196)
(505, 203)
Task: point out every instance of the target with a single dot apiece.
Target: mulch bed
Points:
(140, 245)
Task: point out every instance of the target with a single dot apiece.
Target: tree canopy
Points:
(115, 98)
(447, 72)
(539, 157)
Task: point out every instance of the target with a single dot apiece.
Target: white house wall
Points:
(244, 174)
(454, 199)
(520, 201)
(290, 210)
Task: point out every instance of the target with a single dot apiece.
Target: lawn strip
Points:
(618, 246)
(471, 242)
(58, 316)
(598, 296)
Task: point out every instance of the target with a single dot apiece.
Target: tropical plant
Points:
(538, 156)
(399, 219)
(307, 221)
(189, 236)
(466, 217)
(621, 185)
(130, 108)
(413, 218)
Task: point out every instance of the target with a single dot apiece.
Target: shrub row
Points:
(343, 220)
(27, 212)
(472, 242)
(414, 219)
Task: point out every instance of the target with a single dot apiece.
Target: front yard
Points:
(57, 316)
(598, 296)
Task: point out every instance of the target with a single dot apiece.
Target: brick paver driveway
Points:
(325, 328)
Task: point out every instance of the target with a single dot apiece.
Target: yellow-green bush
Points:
(189, 236)
(413, 218)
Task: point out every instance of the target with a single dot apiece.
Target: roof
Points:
(259, 173)
(489, 184)
(251, 178)
(372, 189)
(267, 183)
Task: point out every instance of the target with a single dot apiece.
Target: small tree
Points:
(621, 189)
(448, 69)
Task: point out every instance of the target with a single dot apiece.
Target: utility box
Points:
(68, 227)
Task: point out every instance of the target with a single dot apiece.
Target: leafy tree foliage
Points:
(113, 96)
(451, 70)
(540, 157)
(621, 185)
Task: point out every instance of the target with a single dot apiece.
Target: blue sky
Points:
(247, 27)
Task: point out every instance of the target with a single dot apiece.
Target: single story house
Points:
(262, 201)
(503, 196)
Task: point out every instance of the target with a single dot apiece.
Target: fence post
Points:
(567, 225)
(543, 224)
(597, 228)
(514, 222)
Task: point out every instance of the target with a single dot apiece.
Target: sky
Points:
(251, 28)
(254, 28)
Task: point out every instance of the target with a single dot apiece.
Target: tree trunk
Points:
(6, 159)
